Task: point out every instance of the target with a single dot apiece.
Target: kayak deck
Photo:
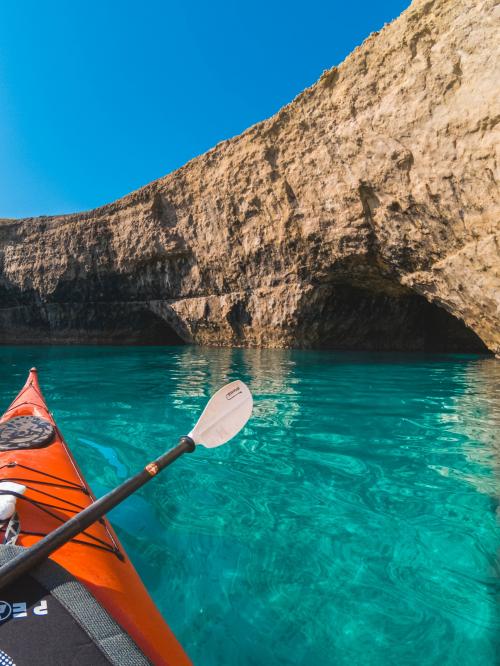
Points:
(56, 490)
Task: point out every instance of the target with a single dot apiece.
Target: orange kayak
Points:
(55, 491)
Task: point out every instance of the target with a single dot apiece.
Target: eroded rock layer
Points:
(364, 215)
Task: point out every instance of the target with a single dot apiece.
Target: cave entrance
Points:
(355, 318)
(130, 324)
(147, 328)
(109, 323)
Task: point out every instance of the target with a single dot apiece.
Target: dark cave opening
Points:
(143, 327)
(95, 309)
(86, 323)
(356, 318)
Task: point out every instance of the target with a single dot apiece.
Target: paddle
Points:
(223, 417)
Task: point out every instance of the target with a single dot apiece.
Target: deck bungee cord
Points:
(69, 507)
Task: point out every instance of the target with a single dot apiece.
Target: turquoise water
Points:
(354, 521)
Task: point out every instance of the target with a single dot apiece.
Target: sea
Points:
(355, 520)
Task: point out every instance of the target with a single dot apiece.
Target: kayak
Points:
(86, 605)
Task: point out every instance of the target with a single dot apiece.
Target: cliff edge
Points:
(363, 215)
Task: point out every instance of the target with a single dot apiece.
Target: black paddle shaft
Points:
(34, 555)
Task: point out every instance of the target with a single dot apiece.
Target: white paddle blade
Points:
(224, 416)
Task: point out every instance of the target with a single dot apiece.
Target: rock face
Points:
(364, 215)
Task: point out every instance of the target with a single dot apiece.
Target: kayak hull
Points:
(56, 490)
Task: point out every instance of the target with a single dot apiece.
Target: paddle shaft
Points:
(34, 555)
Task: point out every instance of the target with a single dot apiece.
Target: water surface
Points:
(354, 521)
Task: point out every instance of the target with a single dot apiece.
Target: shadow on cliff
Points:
(25, 319)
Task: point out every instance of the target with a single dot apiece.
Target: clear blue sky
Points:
(100, 97)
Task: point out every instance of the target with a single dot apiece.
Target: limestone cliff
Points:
(363, 215)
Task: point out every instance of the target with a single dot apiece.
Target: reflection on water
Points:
(352, 522)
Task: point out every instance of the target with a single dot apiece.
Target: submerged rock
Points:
(363, 215)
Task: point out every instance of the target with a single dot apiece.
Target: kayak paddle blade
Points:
(224, 416)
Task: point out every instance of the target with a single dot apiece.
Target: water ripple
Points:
(354, 521)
